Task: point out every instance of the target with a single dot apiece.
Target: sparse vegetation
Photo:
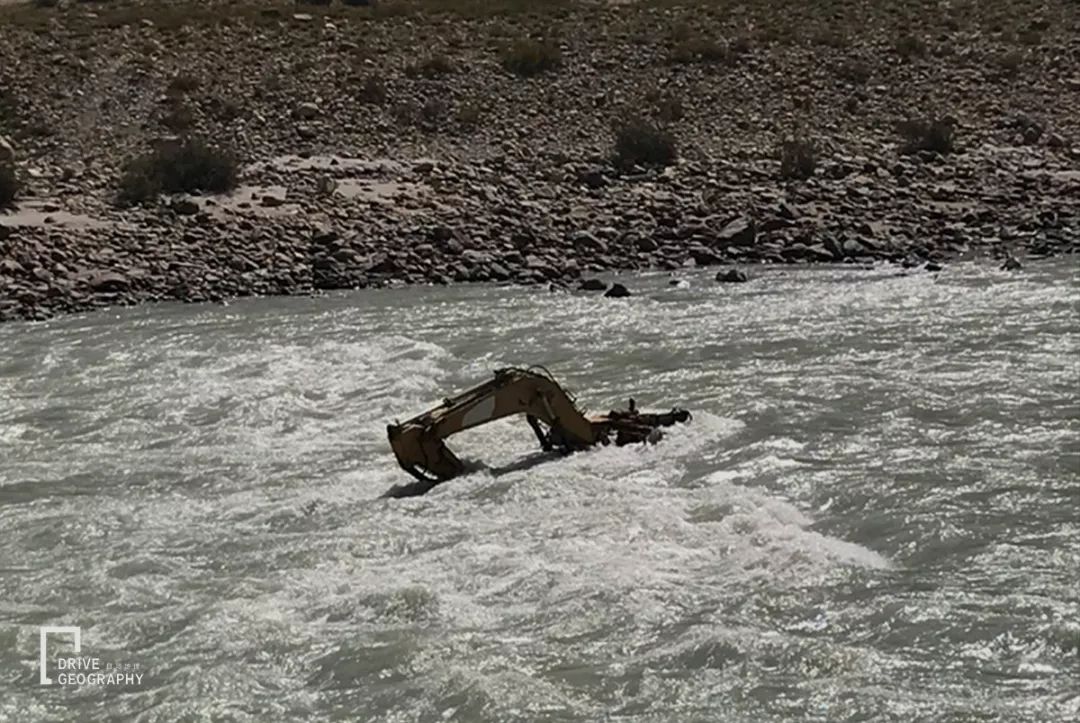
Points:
(934, 135)
(433, 113)
(9, 106)
(182, 83)
(178, 117)
(640, 142)
(434, 66)
(910, 46)
(1029, 37)
(406, 113)
(666, 105)
(529, 57)
(831, 37)
(741, 45)
(798, 159)
(9, 185)
(223, 110)
(469, 115)
(854, 70)
(1009, 63)
(186, 166)
(372, 90)
(701, 50)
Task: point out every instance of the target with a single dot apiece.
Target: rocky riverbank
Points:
(397, 144)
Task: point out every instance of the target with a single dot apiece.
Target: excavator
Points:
(550, 410)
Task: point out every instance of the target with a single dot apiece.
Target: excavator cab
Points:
(549, 409)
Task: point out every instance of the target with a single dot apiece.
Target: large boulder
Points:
(104, 281)
(617, 291)
(7, 152)
(740, 232)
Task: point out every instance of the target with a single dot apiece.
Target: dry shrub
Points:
(666, 105)
(798, 159)
(910, 46)
(528, 57)
(434, 66)
(9, 185)
(185, 166)
(701, 50)
(1009, 64)
(854, 70)
(934, 135)
(372, 90)
(470, 115)
(641, 142)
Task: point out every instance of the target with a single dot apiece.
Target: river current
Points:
(874, 514)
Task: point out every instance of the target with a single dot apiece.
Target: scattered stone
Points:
(103, 281)
(184, 206)
(646, 244)
(617, 291)
(933, 266)
(593, 178)
(307, 111)
(732, 276)
(1011, 264)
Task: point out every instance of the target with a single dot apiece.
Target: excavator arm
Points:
(551, 412)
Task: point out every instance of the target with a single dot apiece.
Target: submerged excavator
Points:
(549, 409)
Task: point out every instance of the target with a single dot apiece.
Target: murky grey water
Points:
(875, 514)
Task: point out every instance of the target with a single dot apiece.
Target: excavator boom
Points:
(551, 412)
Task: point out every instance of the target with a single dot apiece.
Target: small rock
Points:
(1032, 134)
(852, 248)
(307, 111)
(592, 178)
(1012, 264)
(647, 244)
(732, 276)
(617, 291)
(933, 266)
(585, 242)
(184, 207)
(269, 201)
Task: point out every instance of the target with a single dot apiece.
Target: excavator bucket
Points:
(549, 409)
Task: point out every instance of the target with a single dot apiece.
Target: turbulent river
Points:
(874, 514)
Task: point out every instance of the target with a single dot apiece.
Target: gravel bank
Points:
(392, 144)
